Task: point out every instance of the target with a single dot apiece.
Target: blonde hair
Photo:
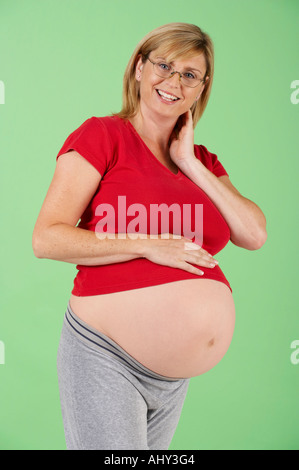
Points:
(174, 40)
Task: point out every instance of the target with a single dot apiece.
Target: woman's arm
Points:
(55, 235)
(245, 219)
(63, 242)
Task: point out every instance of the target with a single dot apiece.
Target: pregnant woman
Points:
(150, 307)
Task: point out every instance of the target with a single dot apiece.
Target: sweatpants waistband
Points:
(107, 346)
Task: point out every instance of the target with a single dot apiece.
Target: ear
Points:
(202, 89)
(199, 95)
(138, 69)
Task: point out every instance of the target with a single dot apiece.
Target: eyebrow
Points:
(192, 68)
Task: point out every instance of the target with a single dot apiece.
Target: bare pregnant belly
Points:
(180, 329)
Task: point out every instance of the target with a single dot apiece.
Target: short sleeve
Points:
(210, 160)
(91, 140)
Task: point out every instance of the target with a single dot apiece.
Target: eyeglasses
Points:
(164, 70)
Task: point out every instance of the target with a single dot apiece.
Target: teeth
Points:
(168, 97)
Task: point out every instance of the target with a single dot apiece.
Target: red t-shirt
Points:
(133, 184)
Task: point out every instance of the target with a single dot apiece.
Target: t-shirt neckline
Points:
(150, 153)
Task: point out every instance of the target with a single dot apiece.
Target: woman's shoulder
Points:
(100, 126)
(202, 153)
(210, 160)
(109, 121)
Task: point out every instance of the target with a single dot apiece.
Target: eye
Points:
(190, 75)
(163, 66)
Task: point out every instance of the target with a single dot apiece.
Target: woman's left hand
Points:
(181, 148)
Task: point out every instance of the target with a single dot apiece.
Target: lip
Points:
(164, 101)
(167, 92)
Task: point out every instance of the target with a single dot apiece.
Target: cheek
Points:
(191, 96)
(190, 99)
(147, 88)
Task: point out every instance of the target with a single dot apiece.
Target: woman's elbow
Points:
(36, 246)
(259, 233)
(260, 240)
(250, 242)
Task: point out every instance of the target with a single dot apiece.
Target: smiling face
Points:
(156, 93)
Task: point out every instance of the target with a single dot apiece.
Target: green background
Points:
(62, 61)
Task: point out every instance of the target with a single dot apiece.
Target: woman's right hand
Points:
(177, 253)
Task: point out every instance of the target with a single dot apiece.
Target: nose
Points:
(175, 80)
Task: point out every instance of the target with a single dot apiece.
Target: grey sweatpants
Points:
(108, 399)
